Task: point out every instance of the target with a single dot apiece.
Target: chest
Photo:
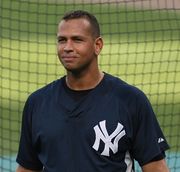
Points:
(104, 126)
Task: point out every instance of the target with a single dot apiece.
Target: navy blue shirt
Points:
(104, 131)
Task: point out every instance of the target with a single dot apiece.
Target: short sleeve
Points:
(27, 156)
(149, 140)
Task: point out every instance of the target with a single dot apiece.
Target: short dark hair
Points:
(86, 15)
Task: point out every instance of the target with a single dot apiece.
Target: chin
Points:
(70, 69)
(74, 70)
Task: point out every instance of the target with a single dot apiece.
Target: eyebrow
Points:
(72, 37)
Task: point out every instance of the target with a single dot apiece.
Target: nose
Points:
(68, 46)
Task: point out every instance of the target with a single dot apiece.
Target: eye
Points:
(61, 40)
(78, 39)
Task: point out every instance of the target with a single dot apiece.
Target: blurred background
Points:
(142, 47)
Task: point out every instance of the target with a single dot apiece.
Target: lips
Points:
(68, 58)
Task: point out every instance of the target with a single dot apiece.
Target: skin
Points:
(156, 166)
(22, 169)
(78, 49)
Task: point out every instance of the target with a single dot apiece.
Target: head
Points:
(79, 14)
(79, 41)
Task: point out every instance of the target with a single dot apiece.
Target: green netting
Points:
(142, 47)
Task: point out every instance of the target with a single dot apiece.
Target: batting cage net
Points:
(141, 46)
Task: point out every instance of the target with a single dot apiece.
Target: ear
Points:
(98, 45)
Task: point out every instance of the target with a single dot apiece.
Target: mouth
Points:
(68, 58)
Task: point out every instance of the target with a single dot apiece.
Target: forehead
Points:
(74, 25)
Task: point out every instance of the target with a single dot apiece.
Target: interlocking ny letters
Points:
(102, 134)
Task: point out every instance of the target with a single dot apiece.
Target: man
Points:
(88, 121)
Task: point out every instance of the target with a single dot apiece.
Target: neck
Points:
(83, 81)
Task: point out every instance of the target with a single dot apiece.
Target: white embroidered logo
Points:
(160, 140)
(102, 134)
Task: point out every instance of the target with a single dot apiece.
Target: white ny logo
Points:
(102, 134)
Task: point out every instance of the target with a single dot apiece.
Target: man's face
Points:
(76, 45)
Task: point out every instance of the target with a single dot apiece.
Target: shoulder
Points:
(127, 95)
(46, 91)
(122, 88)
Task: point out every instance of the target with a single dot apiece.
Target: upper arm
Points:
(22, 169)
(27, 155)
(148, 140)
(157, 166)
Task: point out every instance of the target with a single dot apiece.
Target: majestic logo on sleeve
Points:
(102, 134)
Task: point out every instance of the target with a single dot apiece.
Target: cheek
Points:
(86, 50)
(59, 50)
